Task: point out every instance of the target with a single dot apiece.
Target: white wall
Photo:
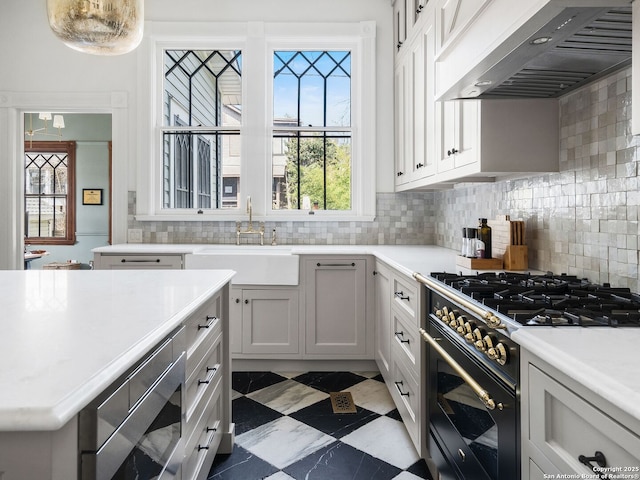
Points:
(33, 60)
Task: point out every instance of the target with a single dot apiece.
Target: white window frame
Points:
(257, 41)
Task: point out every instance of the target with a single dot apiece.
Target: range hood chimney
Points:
(577, 46)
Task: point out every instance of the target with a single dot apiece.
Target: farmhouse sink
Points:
(264, 265)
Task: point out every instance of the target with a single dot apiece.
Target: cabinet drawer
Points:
(564, 426)
(405, 296)
(405, 392)
(204, 439)
(138, 262)
(406, 337)
(205, 375)
(205, 321)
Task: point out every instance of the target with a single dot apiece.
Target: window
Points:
(49, 200)
(202, 114)
(312, 130)
(283, 113)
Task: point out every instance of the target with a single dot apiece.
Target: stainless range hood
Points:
(575, 47)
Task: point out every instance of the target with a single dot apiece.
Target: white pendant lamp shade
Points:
(58, 121)
(99, 27)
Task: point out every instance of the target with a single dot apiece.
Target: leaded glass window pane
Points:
(311, 163)
(201, 126)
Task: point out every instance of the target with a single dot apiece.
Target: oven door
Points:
(467, 438)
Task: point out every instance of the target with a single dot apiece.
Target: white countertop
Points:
(67, 334)
(405, 258)
(604, 360)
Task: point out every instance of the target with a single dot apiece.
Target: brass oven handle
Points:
(475, 386)
(490, 318)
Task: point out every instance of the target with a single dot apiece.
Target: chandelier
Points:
(99, 27)
(58, 122)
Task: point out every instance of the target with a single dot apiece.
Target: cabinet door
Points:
(270, 321)
(382, 288)
(235, 320)
(401, 113)
(399, 24)
(453, 16)
(564, 426)
(424, 129)
(458, 133)
(336, 307)
(447, 114)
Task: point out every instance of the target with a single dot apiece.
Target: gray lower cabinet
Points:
(382, 287)
(336, 307)
(562, 421)
(264, 321)
(400, 353)
(207, 387)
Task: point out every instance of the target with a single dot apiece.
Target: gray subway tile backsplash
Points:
(581, 220)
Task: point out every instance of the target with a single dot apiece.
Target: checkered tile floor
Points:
(286, 429)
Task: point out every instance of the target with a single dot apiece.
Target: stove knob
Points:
(453, 323)
(469, 327)
(478, 334)
(438, 313)
(488, 342)
(462, 320)
(445, 311)
(498, 353)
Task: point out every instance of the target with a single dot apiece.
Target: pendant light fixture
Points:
(58, 122)
(99, 27)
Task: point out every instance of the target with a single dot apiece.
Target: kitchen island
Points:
(67, 335)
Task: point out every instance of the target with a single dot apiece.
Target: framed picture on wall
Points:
(92, 196)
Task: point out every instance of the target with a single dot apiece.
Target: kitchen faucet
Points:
(249, 230)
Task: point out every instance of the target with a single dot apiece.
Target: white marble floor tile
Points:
(283, 441)
(386, 439)
(290, 374)
(367, 374)
(373, 396)
(288, 396)
(235, 394)
(405, 476)
(281, 476)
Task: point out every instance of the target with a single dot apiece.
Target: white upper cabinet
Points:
(440, 143)
(453, 16)
(483, 139)
(415, 126)
(458, 134)
(407, 17)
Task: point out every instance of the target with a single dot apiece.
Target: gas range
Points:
(548, 299)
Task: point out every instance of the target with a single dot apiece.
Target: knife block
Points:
(516, 257)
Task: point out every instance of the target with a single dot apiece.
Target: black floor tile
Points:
(330, 381)
(248, 414)
(379, 378)
(320, 416)
(247, 382)
(240, 465)
(420, 469)
(395, 414)
(340, 461)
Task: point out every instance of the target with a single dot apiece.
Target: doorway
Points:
(80, 198)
